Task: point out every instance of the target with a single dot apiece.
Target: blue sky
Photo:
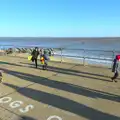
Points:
(60, 18)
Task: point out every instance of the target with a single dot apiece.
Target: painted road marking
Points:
(16, 104)
(54, 117)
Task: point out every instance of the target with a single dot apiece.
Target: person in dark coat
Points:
(116, 68)
(35, 54)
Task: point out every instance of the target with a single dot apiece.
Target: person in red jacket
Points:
(116, 68)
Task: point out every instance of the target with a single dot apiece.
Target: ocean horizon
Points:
(90, 43)
(71, 45)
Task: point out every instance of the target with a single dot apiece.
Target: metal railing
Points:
(103, 57)
(86, 55)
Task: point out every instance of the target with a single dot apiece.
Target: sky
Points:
(59, 18)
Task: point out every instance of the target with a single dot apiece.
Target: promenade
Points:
(63, 92)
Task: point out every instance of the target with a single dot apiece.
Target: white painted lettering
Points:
(54, 117)
(5, 99)
(26, 109)
(16, 104)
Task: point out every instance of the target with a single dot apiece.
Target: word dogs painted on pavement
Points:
(18, 103)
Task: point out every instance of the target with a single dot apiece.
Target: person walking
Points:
(116, 68)
(44, 60)
(35, 54)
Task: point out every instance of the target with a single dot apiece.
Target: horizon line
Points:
(55, 37)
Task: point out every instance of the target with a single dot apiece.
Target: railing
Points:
(81, 56)
(88, 57)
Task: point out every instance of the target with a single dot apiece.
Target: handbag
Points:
(33, 59)
(29, 57)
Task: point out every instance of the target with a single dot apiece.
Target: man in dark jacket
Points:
(35, 54)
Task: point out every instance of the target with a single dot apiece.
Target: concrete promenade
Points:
(63, 92)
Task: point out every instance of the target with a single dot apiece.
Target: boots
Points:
(44, 67)
(113, 80)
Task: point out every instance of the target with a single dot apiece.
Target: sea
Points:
(103, 48)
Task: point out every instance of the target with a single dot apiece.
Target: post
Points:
(113, 58)
(61, 54)
(84, 58)
(14, 50)
(113, 54)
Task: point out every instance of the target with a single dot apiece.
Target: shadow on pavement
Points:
(64, 104)
(76, 89)
(70, 71)
(26, 118)
(67, 71)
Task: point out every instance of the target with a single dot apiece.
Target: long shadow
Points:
(26, 118)
(64, 104)
(15, 64)
(65, 86)
(59, 70)
(7, 63)
(74, 71)
(66, 71)
(70, 73)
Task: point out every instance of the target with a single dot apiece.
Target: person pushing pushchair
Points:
(44, 60)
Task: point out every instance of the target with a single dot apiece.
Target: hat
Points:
(118, 57)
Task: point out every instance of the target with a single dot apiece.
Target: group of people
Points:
(43, 57)
(44, 61)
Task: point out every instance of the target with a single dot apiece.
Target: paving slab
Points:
(5, 114)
